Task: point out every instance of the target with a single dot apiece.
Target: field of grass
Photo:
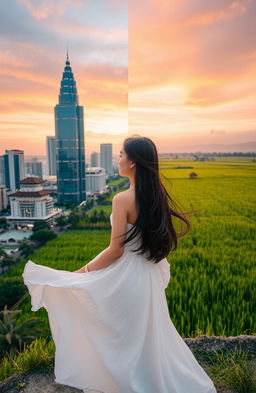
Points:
(212, 289)
(212, 286)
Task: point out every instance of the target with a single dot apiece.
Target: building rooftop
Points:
(33, 193)
(31, 180)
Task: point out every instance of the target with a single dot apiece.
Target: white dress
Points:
(112, 330)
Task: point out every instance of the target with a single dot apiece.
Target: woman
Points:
(109, 319)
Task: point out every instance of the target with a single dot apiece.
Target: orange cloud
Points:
(204, 51)
(232, 10)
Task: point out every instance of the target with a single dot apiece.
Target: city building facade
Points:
(31, 203)
(69, 134)
(13, 168)
(51, 155)
(95, 179)
(106, 158)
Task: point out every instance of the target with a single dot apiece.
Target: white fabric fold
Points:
(112, 329)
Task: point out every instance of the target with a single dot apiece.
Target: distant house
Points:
(193, 175)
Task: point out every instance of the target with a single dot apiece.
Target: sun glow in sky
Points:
(181, 72)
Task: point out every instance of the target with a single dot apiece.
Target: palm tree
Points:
(13, 333)
(2, 256)
(26, 248)
(3, 223)
(2, 252)
(6, 261)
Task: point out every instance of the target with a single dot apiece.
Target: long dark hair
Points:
(154, 205)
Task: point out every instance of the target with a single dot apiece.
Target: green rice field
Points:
(213, 271)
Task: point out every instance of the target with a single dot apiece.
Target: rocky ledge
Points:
(216, 343)
(35, 381)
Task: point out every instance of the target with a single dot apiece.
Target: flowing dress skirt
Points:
(112, 330)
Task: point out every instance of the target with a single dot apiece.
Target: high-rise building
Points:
(106, 159)
(3, 197)
(95, 159)
(51, 155)
(69, 133)
(2, 177)
(13, 168)
(95, 179)
(34, 168)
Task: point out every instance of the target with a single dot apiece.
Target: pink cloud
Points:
(42, 9)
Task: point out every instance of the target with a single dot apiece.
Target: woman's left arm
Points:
(115, 249)
(103, 259)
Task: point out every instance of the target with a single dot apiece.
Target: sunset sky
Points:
(181, 72)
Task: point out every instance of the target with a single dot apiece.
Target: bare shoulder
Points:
(126, 200)
(123, 197)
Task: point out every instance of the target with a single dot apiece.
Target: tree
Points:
(6, 261)
(11, 290)
(94, 217)
(73, 218)
(3, 223)
(87, 206)
(38, 225)
(43, 235)
(26, 248)
(102, 198)
(102, 216)
(193, 175)
(61, 221)
(13, 333)
(2, 252)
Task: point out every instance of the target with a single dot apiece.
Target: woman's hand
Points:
(81, 270)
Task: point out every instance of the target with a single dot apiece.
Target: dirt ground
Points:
(34, 382)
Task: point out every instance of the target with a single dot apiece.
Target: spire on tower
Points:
(67, 61)
(68, 90)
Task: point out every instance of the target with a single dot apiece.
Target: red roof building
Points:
(32, 202)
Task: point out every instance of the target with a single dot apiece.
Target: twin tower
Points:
(69, 139)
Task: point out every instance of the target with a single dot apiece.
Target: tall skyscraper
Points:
(106, 159)
(13, 168)
(95, 159)
(69, 133)
(2, 177)
(34, 168)
(51, 155)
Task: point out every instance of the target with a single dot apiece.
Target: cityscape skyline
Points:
(199, 93)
